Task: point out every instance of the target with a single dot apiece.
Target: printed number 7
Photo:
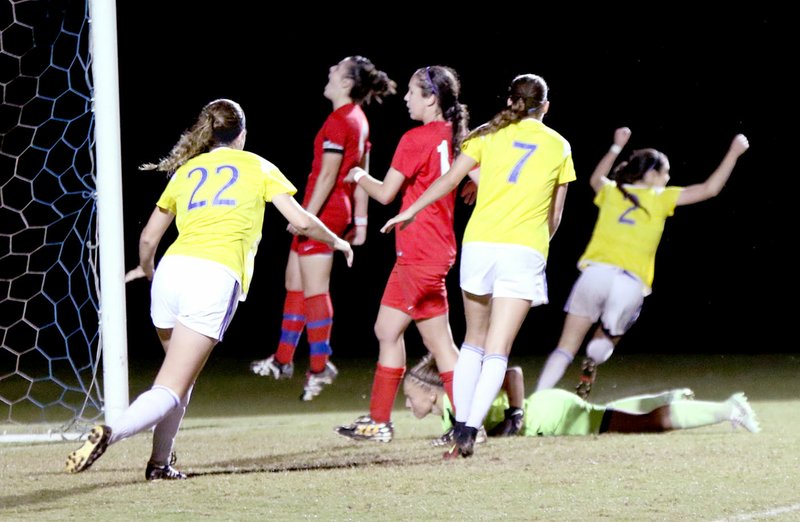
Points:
(529, 148)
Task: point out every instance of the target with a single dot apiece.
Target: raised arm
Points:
(713, 185)
(602, 169)
(307, 224)
(438, 189)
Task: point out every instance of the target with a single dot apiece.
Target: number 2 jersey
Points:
(218, 199)
(627, 236)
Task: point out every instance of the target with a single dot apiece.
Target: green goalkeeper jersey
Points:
(552, 412)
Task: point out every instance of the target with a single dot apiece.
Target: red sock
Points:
(447, 381)
(319, 322)
(292, 326)
(384, 391)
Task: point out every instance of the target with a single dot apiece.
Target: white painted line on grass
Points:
(769, 513)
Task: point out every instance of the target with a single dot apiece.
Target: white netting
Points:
(49, 327)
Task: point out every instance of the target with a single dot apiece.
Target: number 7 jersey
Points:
(521, 165)
(218, 199)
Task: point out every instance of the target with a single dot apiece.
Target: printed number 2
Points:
(626, 220)
(529, 148)
(623, 218)
(218, 199)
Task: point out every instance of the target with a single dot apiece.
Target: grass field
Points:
(255, 452)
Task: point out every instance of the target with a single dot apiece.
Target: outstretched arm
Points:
(602, 169)
(152, 233)
(713, 185)
(383, 191)
(307, 224)
(438, 189)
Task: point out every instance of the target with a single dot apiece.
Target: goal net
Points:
(50, 326)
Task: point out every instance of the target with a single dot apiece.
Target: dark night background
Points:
(685, 84)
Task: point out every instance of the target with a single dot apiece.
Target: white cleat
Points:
(742, 413)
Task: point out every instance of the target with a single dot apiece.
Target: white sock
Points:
(165, 431)
(145, 412)
(554, 369)
(489, 384)
(465, 377)
(600, 349)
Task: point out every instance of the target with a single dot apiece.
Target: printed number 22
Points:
(218, 199)
(529, 148)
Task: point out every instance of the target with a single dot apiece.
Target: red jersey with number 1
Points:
(422, 156)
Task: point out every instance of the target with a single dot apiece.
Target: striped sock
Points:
(319, 322)
(292, 326)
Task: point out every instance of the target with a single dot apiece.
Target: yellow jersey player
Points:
(618, 264)
(525, 167)
(217, 197)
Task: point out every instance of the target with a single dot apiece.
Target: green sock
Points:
(693, 414)
(641, 403)
(647, 403)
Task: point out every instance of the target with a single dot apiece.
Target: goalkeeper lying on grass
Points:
(559, 412)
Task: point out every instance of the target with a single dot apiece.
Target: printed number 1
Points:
(529, 148)
(444, 157)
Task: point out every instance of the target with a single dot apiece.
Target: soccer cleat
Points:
(446, 439)
(165, 472)
(95, 445)
(464, 438)
(588, 374)
(364, 428)
(511, 425)
(742, 413)
(316, 381)
(269, 367)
